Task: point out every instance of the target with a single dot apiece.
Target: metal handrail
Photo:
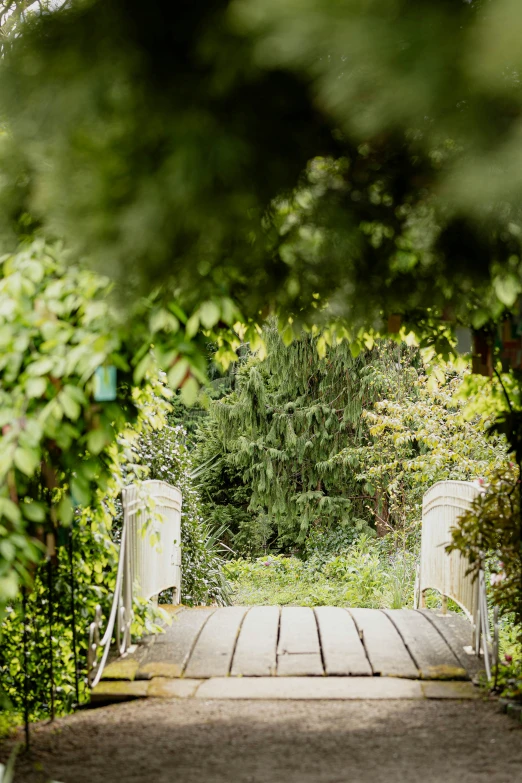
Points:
(121, 610)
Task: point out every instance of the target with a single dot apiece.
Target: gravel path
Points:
(278, 742)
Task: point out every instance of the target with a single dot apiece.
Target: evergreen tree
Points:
(274, 439)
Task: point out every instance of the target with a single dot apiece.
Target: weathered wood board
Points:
(384, 647)
(434, 658)
(343, 651)
(256, 649)
(264, 641)
(169, 654)
(458, 633)
(298, 651)
(212, 654)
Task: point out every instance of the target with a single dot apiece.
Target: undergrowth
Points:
(370, 573)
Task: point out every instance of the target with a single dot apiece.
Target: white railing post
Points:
(149, 562)
(451, 573)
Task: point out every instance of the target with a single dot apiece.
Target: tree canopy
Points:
(170, 149)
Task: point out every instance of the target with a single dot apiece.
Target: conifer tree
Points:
(275, 437)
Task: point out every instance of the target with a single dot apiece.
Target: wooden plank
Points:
(168, 655)
(384, 647)
(298, 651)
(255, 653)
(458, 633)
(343, 651)
(433, 656)
(212, 654)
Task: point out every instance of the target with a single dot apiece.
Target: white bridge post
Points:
(150, 562)
(450, 573)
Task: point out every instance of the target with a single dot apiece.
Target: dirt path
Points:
(162, 741)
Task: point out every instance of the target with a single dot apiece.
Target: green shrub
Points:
(365, 575)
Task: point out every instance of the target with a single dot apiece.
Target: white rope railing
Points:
(149, 562)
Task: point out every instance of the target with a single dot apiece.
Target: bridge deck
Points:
(268, 641)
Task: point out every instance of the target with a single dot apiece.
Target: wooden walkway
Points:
(267, 641)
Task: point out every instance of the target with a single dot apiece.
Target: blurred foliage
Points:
(56, 440)
(171, 152)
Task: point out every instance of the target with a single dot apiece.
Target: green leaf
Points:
(35, 387)
(287, 335)
(507, 289)
(96, 440)
(65, 510)
(40, 367)
(191, 329)
(189, 391)
(321, 347)
(26, 460)
(10, 510)
(34, 511)
(75, 393)
(355, 348)
(80, 491)
(176, 374)
(71, 407)
(142, 367)
(162, 320)
(209, 314)
(7, 416)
